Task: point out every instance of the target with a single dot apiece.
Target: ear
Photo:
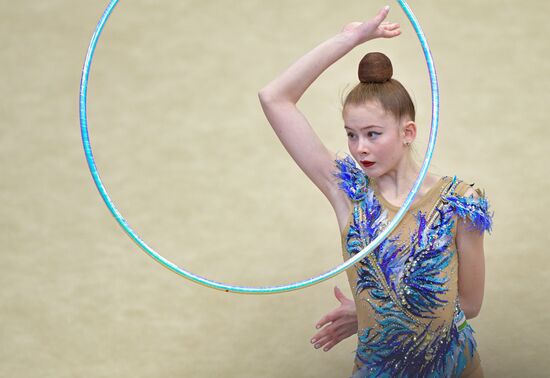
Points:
(408, 131)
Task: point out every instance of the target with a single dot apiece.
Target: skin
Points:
(374, 135)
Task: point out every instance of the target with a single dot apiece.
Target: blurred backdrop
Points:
(189, 159)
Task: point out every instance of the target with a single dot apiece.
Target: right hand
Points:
(336, 325)
(362, 32)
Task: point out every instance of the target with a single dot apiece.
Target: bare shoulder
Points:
(430, 181)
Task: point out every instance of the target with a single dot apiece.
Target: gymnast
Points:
(413, 295)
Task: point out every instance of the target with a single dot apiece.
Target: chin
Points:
(370, 172)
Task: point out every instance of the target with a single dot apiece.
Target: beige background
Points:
(189, 159)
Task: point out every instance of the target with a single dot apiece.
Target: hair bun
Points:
(375, 67)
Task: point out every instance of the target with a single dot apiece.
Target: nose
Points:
(362, 147)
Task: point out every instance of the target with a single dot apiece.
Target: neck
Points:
(397, 183)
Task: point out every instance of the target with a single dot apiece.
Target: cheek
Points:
(352, 146)
(388, 149)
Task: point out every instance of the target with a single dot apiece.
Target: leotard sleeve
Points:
(475, 211)
(351, 179)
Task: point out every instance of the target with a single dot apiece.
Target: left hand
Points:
(362, 32)
(338, 324)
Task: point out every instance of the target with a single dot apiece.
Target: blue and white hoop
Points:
(245, 289)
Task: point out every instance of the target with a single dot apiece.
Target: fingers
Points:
(328, 318)
(337, 324)
(329, 331)
(323, 340)
(389, 30)
(326, 332)
(386, 29)
(391, 33)
(389, 26)
(332, 343)
(336, 313)
(329, 340)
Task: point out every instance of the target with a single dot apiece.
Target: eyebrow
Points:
(364, 127)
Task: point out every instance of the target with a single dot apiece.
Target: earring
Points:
(407, 144)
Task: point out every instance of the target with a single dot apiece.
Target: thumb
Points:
(339, 295)
(382, 15)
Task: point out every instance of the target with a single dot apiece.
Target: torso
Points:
(343, 206)
(406, 290)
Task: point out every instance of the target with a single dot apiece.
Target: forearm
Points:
(294, 81)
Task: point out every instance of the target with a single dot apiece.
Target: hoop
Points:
(246, 289)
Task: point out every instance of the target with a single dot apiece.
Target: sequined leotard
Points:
(406, 291)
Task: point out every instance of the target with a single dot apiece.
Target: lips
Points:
(367, 164)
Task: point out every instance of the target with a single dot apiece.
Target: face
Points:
(376, 139)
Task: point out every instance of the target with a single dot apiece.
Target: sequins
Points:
(407, 283)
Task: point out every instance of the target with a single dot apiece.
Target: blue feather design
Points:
(404, 287)
(352, 180)
(367, 279)
(399, 346)
(368, 221)
(396, 351)
(391, 261)
(474, 209)
(380, 350)
(422, 284)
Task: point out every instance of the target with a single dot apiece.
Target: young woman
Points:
(412, 296)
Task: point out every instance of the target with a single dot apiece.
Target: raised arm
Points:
(280, 96)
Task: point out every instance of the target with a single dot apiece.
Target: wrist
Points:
(347, 39)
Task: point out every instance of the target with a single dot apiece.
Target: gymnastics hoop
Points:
(246, 289)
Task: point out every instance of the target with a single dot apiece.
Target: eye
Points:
(373, 134)
(350, 135)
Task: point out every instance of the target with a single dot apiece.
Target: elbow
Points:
(265, 96)
(271, 96)
(471, 310)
